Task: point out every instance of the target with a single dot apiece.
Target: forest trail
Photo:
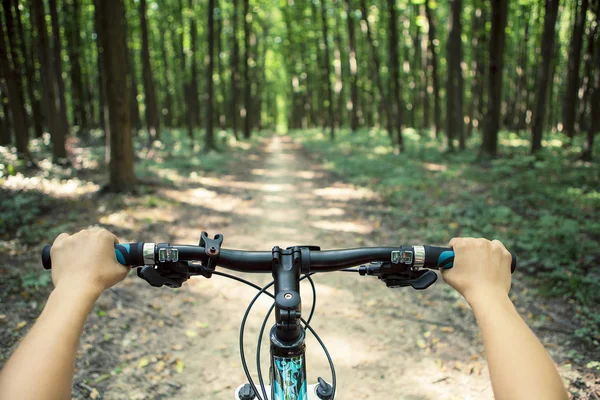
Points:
(400, 344)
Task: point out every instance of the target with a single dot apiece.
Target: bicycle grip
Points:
(128, 254)
(443, 258)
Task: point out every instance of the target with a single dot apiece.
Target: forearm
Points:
(520, 367)
(47, 354)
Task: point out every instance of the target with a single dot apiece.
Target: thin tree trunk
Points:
(475, 118)
(424, 73)
(520, 121)
(570, 99)
(489, 146)
(209, 138)
(437, 110)
(222, 110)
(36, 107)
(136, 120)
(594, 115)
(396, 101)
(167, 88)
(74, 50)
(150, 96)
(385, 104)
(454, 83)
(58, 69)
(235, 74)
(548, 36)
(112, 30)
(353, 68)
(588, 80)
(5, 128)
(319, 78)
(15, 94)
(327, 71)
(12, 74)
(247, 83)
(339, 75)
(50, 85)
(103, 107)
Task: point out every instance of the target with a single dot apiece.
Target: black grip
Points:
(443, 258)
(128, 254)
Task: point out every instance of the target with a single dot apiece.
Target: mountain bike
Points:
(163, 264)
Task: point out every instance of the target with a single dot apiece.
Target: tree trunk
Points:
(136, 120)
(551, 7)
(454, 83)
(339, 73)
(209, 138)
(36, 107)
(12, 74)
(437, 110)
(150, 96)
(74, 51)
(235, 74)
(570, 99)
(222, 110)
(396, 101)
(385, 104)
(103, 106)
(49, 84)
(58, 69)
(520, 121)
(588, 79)
(327, 71)
(489, 147)
(112, 30)
(168, 119)
(247, 83)
(353, 68)
(478, 24)
(594, 96)
(5, 128)
(15, 95)
(319, 78)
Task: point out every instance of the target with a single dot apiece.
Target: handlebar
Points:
(141, 254)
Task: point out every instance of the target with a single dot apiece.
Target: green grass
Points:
(545, 208)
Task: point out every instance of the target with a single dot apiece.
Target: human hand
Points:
(86, 261)
(481, 268)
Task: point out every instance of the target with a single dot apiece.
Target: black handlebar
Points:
(430, 257)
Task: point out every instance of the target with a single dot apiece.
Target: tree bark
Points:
(221, 108)
(570, 98)
(12, 74)
(5, 128)
(489, 145)
(102, 96)
(588, 79)
(327, 71)
(168, 118)
(36, 107)
(9, 70)
(594, 115)
(136, 120)
(454, 83)
(74, 50)
(376, 71)
(235, 74)
(339, 73)
(437, 110)
(396, 101)
(49, 84)
(353, 68)
(58, 68)
(112, 30)
(209, 138)
(247, 83)
(551, 7)
(152, 119)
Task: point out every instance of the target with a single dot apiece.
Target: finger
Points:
(60, 238)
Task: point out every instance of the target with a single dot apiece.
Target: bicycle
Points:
(163, 264)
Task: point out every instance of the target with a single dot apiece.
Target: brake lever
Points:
(398, 275)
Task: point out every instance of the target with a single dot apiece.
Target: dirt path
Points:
(385, 343)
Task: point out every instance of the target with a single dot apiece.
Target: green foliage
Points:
(35, 279)
(542, 207)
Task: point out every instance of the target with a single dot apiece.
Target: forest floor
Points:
(147, 343)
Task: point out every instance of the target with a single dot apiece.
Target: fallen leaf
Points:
(447, 329)
(159, 367)
(178, 346)
(179, 366)
(20, 325)
(143, 363)
(94, 394)
(202, 325)
(427, 334)
(421, 343)
(190, 333)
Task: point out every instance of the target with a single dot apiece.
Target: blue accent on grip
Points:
(120, 256)
(445, 256)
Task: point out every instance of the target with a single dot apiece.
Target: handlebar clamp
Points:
(212, 248)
